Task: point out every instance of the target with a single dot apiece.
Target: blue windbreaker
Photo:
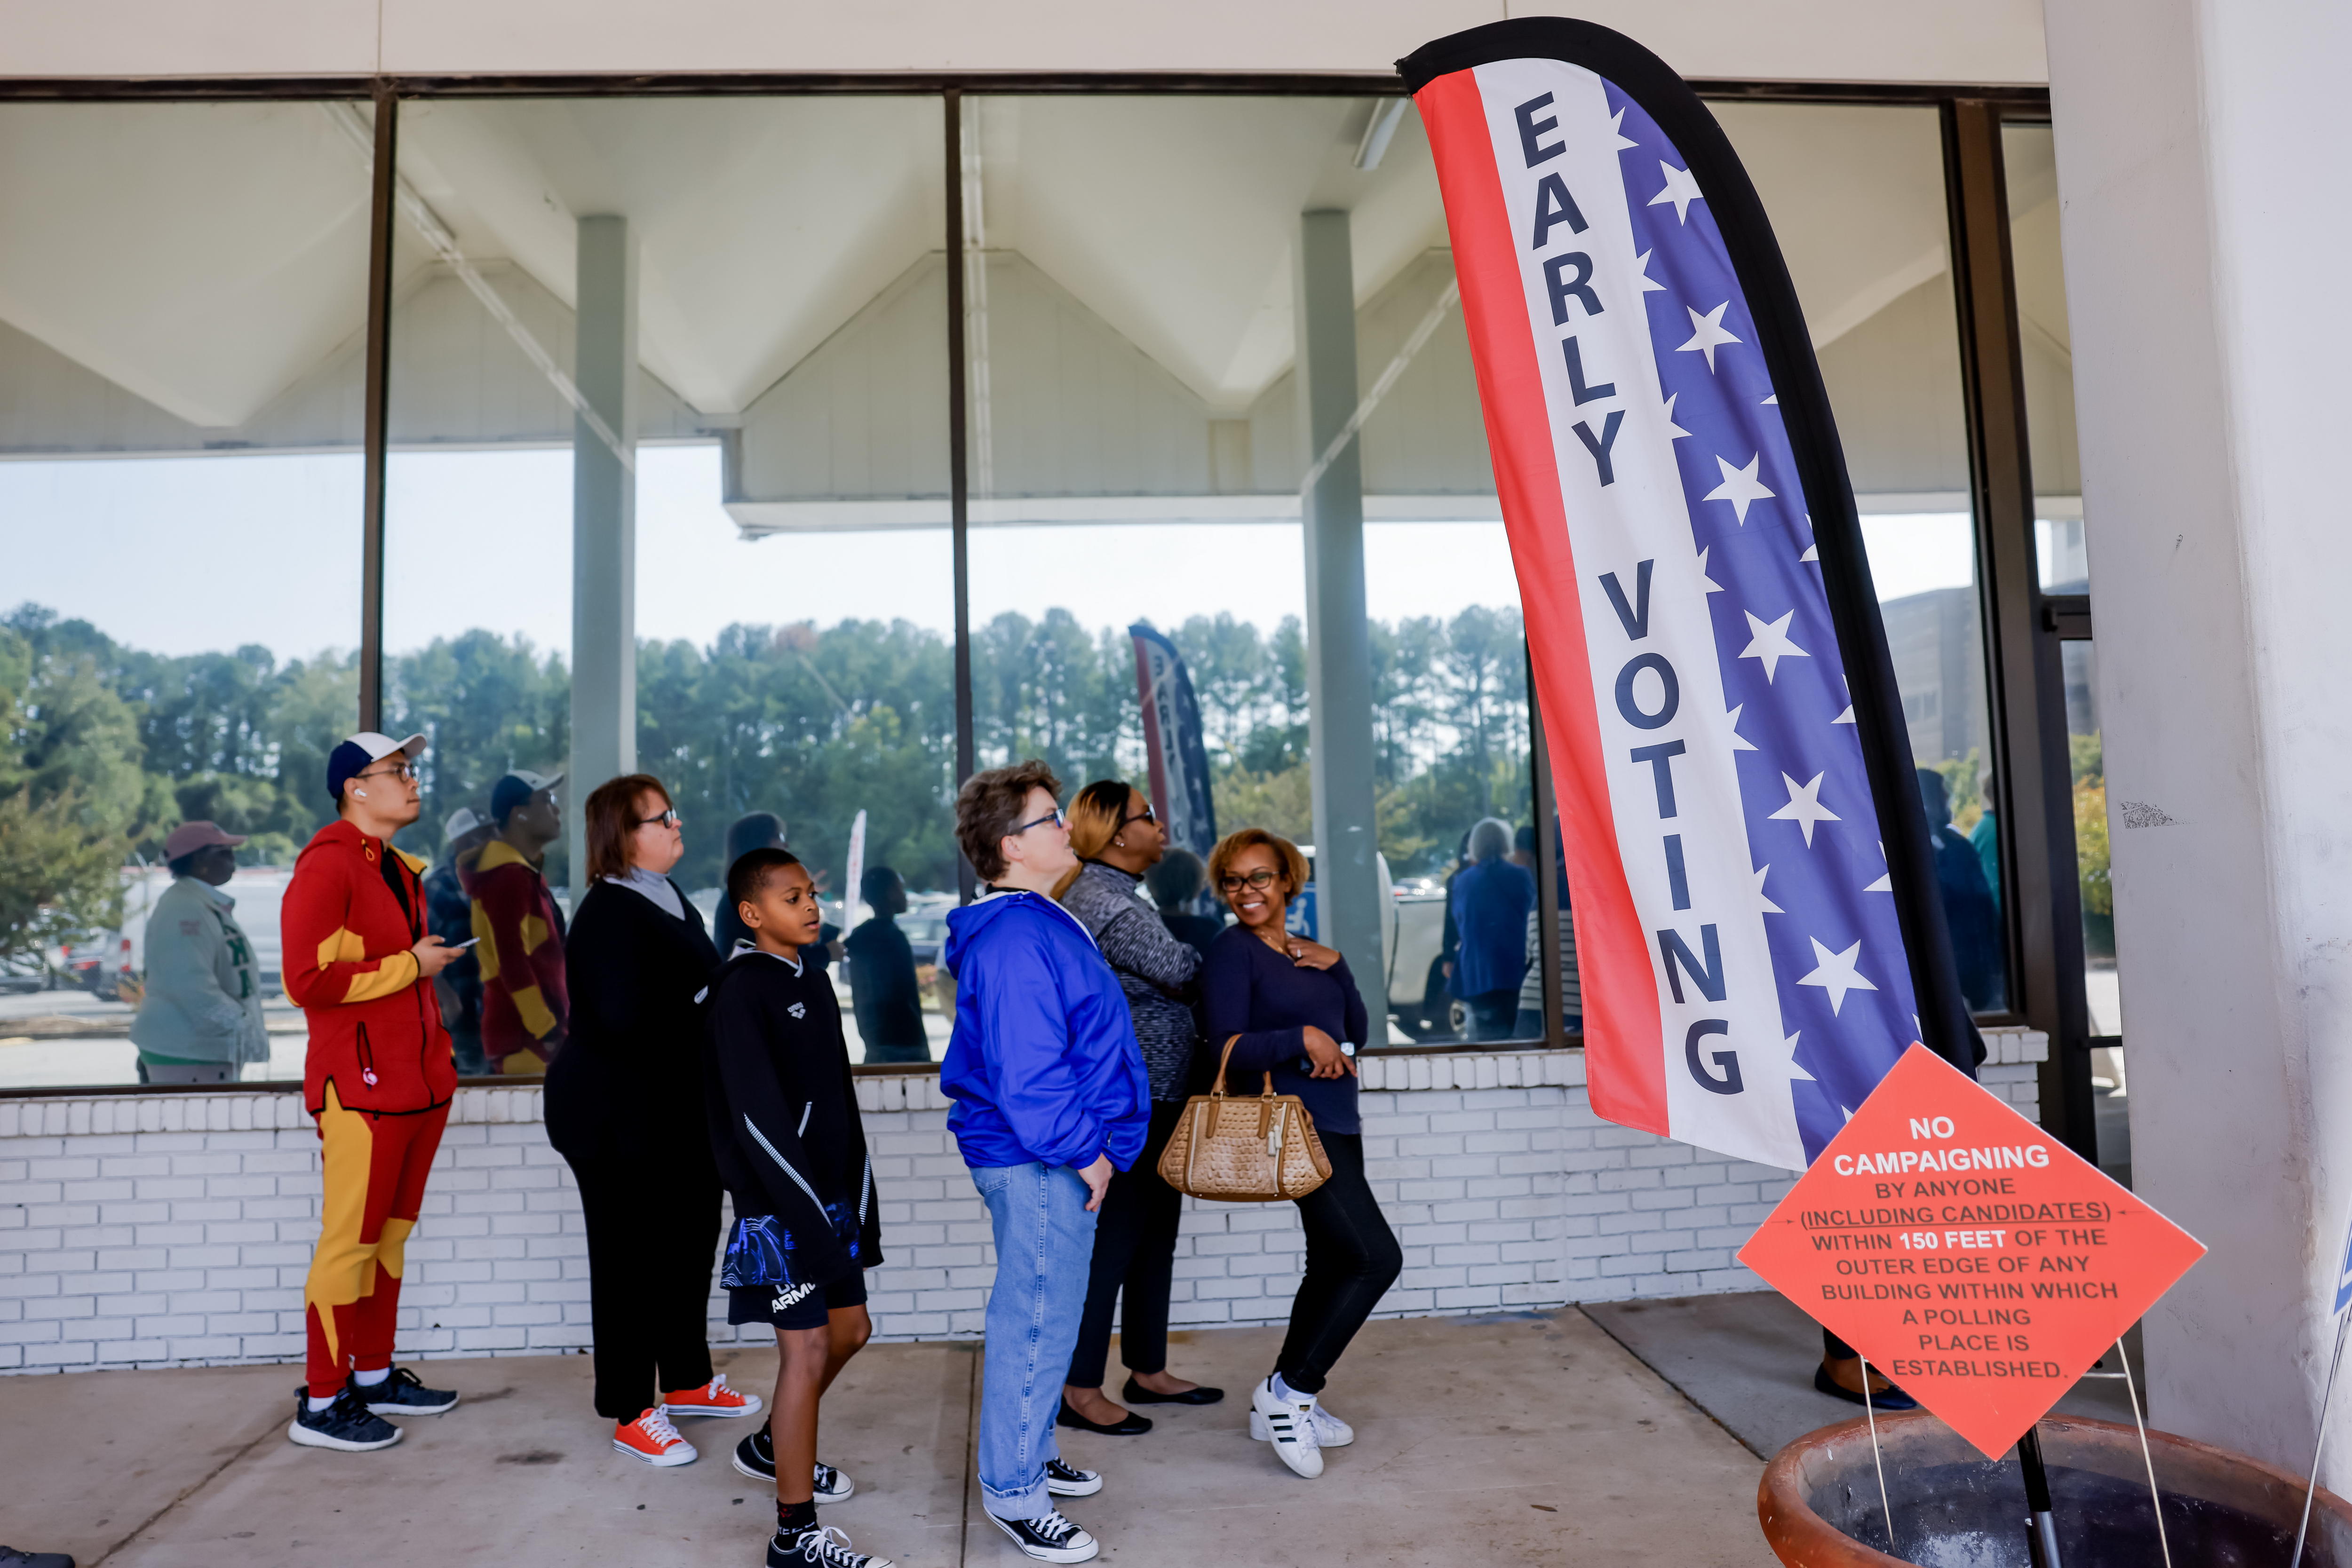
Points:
(1042, 1065)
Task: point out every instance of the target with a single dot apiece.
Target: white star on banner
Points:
(1731, 723)
(1764, 904)
(1617, 130)
(1804, 807)
(1681, 190)
(1885, 883)
(1740, 487)
(1707, 333)
(1770, 643)
(1772, 402)
(1706, 582)
(1835, 973)
(1812, 553)
(1673, 431)
(1795, 1071)
(1641, 274)
(1845, 717)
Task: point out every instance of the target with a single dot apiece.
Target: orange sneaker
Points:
(652, 1439)
(713, 1398)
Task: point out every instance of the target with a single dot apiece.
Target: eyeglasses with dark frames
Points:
(668, 818)
(1146, 815)
(1054, 817)
(1258, 880)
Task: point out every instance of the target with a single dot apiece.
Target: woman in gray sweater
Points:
(1117, 837)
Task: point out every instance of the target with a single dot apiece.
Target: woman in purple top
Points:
(1287, 1005)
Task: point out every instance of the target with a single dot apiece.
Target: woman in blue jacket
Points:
(1051, 1097)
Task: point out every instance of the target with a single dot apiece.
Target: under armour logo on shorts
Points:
(786, 1297)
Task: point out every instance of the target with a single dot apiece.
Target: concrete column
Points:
(603, 525)
(2205, 221)
(1339, 642)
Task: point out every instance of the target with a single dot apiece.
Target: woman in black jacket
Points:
(625, 1108)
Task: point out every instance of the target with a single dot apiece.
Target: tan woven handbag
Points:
(1245, 1150)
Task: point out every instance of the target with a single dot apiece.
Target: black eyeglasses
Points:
(399, 771)
(1054, 817)
(1259, 879)
(668, 818)
(1146, 815)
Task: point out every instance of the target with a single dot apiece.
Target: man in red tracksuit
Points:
(360, 961)
(526, 1002)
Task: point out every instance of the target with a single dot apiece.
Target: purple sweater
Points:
(1249, 989)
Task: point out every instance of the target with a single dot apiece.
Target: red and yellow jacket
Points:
(525, 1001)
(375, 1027)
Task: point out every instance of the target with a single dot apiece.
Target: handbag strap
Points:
(1217, 1090)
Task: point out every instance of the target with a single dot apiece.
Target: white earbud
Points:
(360, 793)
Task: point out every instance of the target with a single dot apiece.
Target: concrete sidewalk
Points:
(1516, 1438)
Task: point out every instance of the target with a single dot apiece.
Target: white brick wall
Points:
(174, 1228)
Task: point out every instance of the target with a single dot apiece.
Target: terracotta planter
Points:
(1819, 1506)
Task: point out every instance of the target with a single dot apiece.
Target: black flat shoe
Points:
(1135, 1393)
(1129, 1426)
(1887, 1398)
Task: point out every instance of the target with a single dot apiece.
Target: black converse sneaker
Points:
(404, 1394)
(1050, 1538)
(348, 1423)
(818, 1546)
(755, 1456)
(1065, 1479)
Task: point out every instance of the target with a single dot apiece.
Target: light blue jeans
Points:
(1045, 1249)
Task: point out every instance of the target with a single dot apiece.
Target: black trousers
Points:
(1352, 1258)
(652, 1233)
(1135, 1254)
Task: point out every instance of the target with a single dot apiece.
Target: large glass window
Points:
(669, 490)
(1856, 198)
(1142, 382)
(182, 288)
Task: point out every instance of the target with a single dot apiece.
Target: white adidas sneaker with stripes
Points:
(1289, 1426)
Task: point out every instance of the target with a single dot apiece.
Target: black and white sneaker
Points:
(1049, 1537)
(819, 1546)
(404, 1394)
(755, 1456)
(348, 1423)
(1289, 1425)
(1063, 1479)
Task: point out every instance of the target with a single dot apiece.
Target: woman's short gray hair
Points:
(1490, 840)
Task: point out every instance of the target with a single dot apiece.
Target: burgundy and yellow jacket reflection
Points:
(375, 1027)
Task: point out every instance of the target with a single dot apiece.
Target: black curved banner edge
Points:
(1945, 1024)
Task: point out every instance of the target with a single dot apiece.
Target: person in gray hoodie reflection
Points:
(200, 1018)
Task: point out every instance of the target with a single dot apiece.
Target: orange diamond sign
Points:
(1971, 1256)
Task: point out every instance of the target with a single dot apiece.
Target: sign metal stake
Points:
(2155, 1498)
(1870, 1414)
(2327, 1399)
(2041, 1530)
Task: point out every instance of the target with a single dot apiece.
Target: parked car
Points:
(20, 977)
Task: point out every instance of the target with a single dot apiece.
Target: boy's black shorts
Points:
(782, 1309)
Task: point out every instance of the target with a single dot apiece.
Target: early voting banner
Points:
(1173, 742)
(1756, 919)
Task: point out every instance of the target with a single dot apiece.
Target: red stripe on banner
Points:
(1625, 1063)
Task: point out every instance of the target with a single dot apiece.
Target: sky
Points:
(181, 555)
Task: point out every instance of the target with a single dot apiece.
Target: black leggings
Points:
(1135, 1248)
(651, 1238)
(1352, 1258)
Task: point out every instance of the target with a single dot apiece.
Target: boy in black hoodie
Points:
(788, 1142)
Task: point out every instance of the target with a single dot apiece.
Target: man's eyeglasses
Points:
(668, 818)
(399, 770)
(1258, 880)
(1054, 817)
(1146, 815)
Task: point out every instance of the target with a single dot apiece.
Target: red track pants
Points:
(375, 1169)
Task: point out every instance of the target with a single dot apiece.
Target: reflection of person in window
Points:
(1491, 898)
(1986, 839)
(883, 987)
(1969, 912)
(1176, 884)
(201, 1019)
(449, 914)
(526, 999)
(765, 831)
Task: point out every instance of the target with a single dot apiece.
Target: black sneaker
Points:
(819, 1546)
(755, 1456)
(404, 1394)
(348, 1423)
(1048, 1537)
(12, 1558)
(1067, 1481)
